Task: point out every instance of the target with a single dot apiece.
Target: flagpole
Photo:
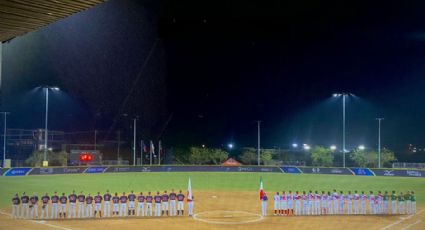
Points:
(159, 152)
(141, 152)
(150, 150)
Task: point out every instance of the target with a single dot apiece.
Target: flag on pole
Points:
(159, 152)
(261, 188)
(189, 190)
(152, 148)
(144, 147)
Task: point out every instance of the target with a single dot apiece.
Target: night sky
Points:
(215, 67)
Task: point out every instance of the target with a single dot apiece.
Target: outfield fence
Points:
(25, 171)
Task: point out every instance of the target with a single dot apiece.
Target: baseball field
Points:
(222, 200)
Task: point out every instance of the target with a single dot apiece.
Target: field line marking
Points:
(399, 221)
(410, 225)
(39, 222)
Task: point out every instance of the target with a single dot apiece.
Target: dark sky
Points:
(217, 66)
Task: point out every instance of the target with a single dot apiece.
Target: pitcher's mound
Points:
(227, 217)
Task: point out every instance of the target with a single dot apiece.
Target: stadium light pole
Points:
(343, 95)
(379, 119)
(4, 137)
(134, 140)
(258, 142)
(47, 88)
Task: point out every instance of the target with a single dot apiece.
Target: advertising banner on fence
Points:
(399, 172)
(61, 170)
(288, 169)
(17, 171)
(362, 172)
(98, 169)
(191, 169)
(1, 172)
(319, 170)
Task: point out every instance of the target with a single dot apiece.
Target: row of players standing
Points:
(165, 204)
(314, 203)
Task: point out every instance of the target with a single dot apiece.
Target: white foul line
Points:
(398, 222)
(39, 222)
(410, 225)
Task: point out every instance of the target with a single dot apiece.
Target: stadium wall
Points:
(173, 168)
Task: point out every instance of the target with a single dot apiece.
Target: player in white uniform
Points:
(378, 202)
(356, 202)
(290, 199)
(116, 203)
(89, 206)
(173, 204)
(297, 203)
(317, 199)
(329, 210)
(413, 200)
(180, 205)
(264, 205)
(386, 203)
(335, 199)
(157, 200)
(349, 202)
(276, 200)
(323, 203)
(15, 206)
(310, 203)
(304, 198)
(149, 200)
(371, 203)
(341, 203)
(283, 204)
(123, 200)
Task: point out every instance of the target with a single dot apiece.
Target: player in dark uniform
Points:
(149, 200)
(81, 207)
(116, 201)
(34, 206)
(25, 208)
(55, 200)
(15, 206)
(180, 206)
(106, 204)
(45, 208)
(164, 203)
(140, 204)
(131, 199)
(157, 199)
(89, 206)
(72, 205)
(63, 200)
(98, 204)
(173, 205)
(123, 200)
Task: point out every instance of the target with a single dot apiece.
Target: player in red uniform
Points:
(106, 204)
(45, 208)
(123, 200)
(157, 199)
(173, 207)
(116, 201)
(81, 202)
(131, 205)
(25, 208)
(34, 206)
(72, 203)
(98, 204)
(149, 200)
(89, 206)
(55, 200)
(140, 204)
(164, 201)
(15, 206)
(180, 205)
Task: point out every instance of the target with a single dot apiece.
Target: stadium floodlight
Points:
(361, 147)
(306, 147)
(47, 88)
(294, 145)
(230, 145)
(333, 147)
(343, 95)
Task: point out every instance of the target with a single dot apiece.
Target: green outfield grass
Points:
(273, 182)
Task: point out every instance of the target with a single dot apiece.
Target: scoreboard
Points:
(85, 157)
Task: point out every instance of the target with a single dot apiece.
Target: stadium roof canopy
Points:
(18, 17)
